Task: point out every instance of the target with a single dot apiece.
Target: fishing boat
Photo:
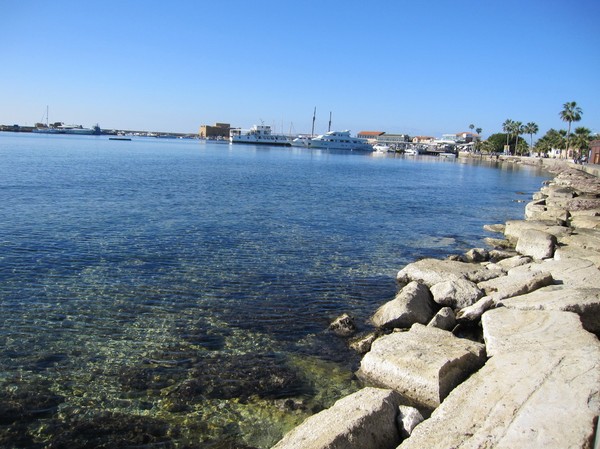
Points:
(258, 135)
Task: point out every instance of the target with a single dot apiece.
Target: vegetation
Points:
(570, 113)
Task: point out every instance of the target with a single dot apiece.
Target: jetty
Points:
(494, 348)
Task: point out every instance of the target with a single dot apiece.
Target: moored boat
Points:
(381, 148)
(258, 135)
(339, 140)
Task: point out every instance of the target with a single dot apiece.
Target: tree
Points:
(517, 130)
(495, 143)
(553, 139)
(507, 128)
(471, 126)
(531, 128)
(570, 113)
(582, 138)
(478, 131)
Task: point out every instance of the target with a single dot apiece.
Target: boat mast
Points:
(328, 130)
(312, 133)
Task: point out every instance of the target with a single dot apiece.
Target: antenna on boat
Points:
(329, 122)
(312, 133)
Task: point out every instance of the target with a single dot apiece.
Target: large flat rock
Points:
(585, 302)
(366, 419)
(539, 390)
(423, 364)
(507, 331)
(515, 228)
(434, 271)
(517, 282)
(573, 273)
(413, 304)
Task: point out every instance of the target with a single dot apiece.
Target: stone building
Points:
(218, 130)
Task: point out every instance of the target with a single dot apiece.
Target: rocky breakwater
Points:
(495, 348)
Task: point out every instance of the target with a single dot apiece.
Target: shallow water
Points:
(178, 293)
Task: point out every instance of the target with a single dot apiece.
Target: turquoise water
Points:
(178, 293)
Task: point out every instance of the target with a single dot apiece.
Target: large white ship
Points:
(339, 140)
(258, 135)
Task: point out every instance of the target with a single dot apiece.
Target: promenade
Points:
(496, 348)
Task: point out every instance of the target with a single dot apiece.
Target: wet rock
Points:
(362, 343)
(344, 326)
(413, 304)
(27, 402)
(108, 430)
(241, 376)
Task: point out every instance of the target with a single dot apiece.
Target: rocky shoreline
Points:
(494, 348)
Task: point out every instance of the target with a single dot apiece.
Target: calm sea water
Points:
(178, 293)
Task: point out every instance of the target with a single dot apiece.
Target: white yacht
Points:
(258, 135)
(381, 148)
(339, 140)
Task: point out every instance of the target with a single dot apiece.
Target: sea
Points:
(177, 293)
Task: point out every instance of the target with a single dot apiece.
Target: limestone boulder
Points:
(573, 273)
(514, 261)
(408, 419)
(585, 221)
(366, 419)
(456, 293)
(423, 364)
(477, 255)
(585, 302)
(444, 319)
(588, 239)
(573, 252)
(474, 312)
(434, 271)
(536, 244)
(507, 331)
(413, 304)
(516, 283)
(529, 395)
(514, 228)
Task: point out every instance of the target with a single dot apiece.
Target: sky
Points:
(426, 67)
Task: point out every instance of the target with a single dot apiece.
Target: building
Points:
(391, 139)
(467, 137)
(594, 157)
(218, 130)
(423, 139)
(371, 136)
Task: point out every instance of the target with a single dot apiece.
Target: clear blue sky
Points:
(421, 67)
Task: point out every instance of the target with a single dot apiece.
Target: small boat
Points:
(381, 148)
(259, 135)
(411, 152)
(448, 155)
(119, 138)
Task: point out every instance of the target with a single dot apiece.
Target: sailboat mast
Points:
(328, 130)
(312, 133)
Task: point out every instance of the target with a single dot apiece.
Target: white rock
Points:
(413, 304)
(515, 283)
(444, 319)
(433, 271)
(408, 419)
(585, 302)
(536, 244)
(456, 293)
(474, 312)
(423, 364)
(365, 419)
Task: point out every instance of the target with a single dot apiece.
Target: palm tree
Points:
(507, 128)
(517, 130)
(581, 138)
(531, 128)
(478, 131)
(570, 113)
(471, 126)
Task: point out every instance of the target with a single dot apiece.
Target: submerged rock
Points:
(344, 325)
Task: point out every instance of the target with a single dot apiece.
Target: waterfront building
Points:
(218, 130)
(423, 139)
(594, 157)
(370, 136)
(391, 139)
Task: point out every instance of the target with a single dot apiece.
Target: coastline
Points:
(511, 331)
